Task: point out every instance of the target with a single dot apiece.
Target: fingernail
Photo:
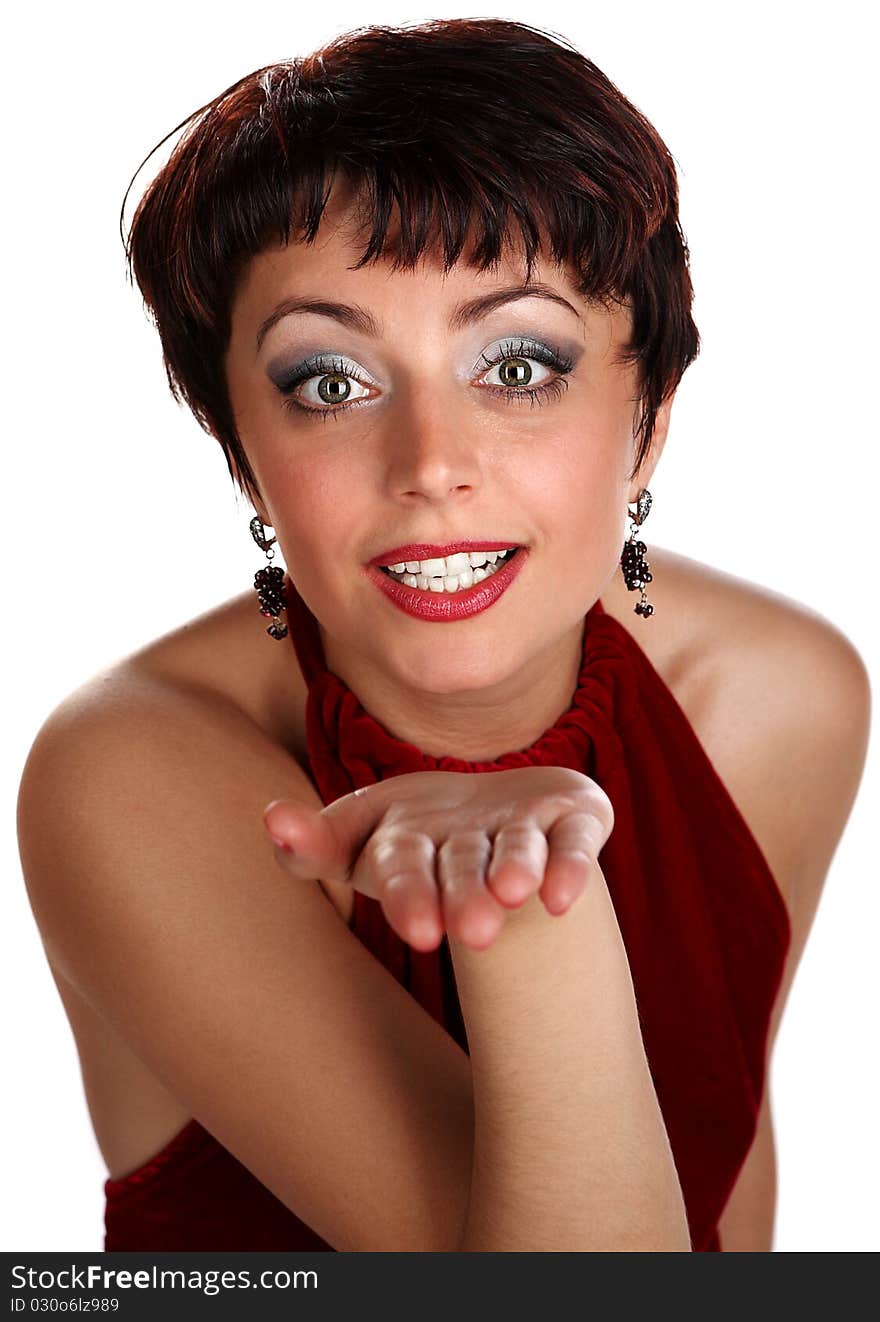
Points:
(281, 844)
(273, 835)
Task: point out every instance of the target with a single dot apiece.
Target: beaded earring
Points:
(632, 561)
(269, 581)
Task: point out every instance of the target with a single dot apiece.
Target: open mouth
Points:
(454, 582)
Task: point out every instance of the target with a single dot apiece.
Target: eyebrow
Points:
(360, 319)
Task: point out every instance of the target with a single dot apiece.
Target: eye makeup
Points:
(324, 364)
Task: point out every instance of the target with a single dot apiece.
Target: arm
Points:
(154, 887)
(817, 765)
(570, 1150)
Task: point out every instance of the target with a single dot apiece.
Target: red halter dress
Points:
(705, 926)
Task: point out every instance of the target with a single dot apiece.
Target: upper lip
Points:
(421, 551)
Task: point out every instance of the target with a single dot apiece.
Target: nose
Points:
(432, 456)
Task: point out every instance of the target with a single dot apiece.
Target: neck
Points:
(475, 725)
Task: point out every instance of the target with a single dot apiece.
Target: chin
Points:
(443, 672)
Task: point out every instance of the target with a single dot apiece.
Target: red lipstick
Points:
(445, 606)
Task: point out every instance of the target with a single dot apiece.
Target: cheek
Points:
(321, 507)
(582, 489)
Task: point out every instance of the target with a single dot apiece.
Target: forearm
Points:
(570, 1149)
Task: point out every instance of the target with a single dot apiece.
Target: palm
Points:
(456, 851)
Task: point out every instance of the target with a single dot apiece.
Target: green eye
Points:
(334, 377)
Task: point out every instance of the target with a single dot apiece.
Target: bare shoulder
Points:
(780, 699)
(110, 762)
(801, 688)
(226, 653)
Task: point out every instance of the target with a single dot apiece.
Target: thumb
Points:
(326, 842)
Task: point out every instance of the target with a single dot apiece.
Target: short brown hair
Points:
(459, 122)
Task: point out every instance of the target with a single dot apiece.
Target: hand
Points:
(453, 851)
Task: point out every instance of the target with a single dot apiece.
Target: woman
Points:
(545, 857)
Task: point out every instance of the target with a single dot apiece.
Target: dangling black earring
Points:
(632, 561)
(269, 581)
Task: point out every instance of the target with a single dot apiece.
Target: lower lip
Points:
(427, 605)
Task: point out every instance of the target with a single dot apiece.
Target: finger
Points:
(574, 842)
(470, 911)
(303, 841)
(519, 857)
(401, 866)
(328, 839)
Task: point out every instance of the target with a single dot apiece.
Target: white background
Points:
(121, 521)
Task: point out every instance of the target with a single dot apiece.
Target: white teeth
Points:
(441, 566)
(433, 568)
(467, 577)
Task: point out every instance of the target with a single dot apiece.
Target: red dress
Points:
(705, 926)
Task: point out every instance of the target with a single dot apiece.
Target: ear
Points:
(652, 458)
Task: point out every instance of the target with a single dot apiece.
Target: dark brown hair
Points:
(457, 122)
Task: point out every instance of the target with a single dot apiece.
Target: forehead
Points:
(324, 268)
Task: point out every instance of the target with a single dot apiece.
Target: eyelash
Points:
(321, 365)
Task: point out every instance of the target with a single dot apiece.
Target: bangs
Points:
(422, 184)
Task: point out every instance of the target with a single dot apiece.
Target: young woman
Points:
(455, 908)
